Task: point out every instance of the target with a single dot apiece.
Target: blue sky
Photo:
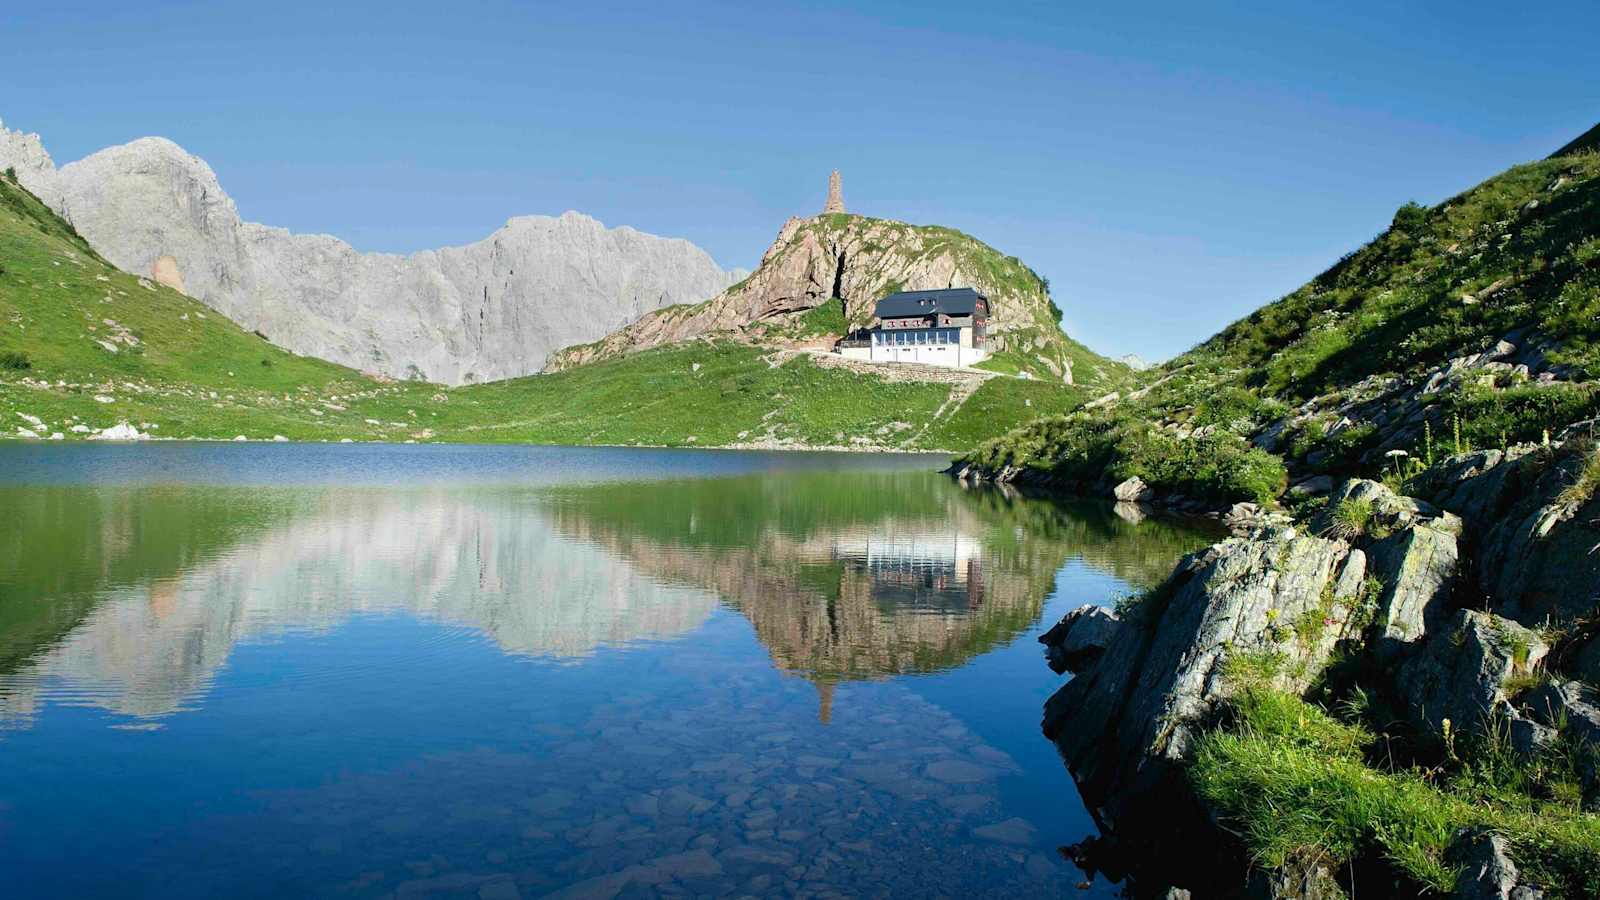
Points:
(1169, 167)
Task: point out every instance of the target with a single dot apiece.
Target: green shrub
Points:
(1349, 519)
(1490, 416)
(1089, 448)
(1411, 218)
(15, 360)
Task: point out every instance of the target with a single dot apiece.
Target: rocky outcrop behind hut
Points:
(822, 276)
(489, 310)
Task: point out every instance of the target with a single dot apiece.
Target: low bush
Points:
(1092, 448)
(1495, 417)
(15, 360)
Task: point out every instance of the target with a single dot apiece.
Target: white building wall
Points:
(951, 354)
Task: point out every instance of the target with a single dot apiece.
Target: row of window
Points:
(923, 336)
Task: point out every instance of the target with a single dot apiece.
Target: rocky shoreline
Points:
(1472, 604)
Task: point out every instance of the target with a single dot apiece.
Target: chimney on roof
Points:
(835, 195)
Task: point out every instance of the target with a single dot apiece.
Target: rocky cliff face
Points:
(489, 310)
(854, 261)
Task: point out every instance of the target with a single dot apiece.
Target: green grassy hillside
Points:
(84, 346)
(1332, 376)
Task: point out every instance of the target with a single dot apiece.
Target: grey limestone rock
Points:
(1123, 720)
(488, 310)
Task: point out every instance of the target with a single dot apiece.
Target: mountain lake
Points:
(304, 670)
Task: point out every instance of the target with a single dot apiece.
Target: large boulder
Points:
(1417, 569)
(1460, 673)
(1412, 551)
(1278, 595)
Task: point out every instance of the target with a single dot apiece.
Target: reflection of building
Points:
(918, 569)
(853, 600)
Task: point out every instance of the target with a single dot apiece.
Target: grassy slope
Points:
(186, 371)
(1348, 787)
(1524, 247)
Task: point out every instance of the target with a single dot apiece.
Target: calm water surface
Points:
(364, 671)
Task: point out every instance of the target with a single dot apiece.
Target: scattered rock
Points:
(121, 431)
(1132, 490)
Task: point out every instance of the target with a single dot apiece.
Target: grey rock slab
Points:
(1460, 673)
(1486, 869)
(1418, 568)
(1121, 722)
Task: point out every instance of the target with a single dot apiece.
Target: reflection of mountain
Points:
(868, 575)
(484, 560)
(132, 599)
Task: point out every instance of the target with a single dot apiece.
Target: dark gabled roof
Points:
(951, 302)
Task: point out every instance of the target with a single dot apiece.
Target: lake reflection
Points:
(628, 681)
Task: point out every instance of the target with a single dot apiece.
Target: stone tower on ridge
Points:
(835, 195)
